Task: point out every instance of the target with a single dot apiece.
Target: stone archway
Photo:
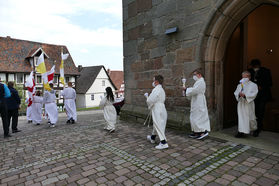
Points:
(213, 46)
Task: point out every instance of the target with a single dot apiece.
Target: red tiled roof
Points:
(14, 55)
(117, 78)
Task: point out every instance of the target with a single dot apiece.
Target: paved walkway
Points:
(85, 154)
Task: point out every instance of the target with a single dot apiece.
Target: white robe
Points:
(156, 103)
(28, 110)
(110, 114)
(246, 107)
(50, 106)
(37, 106)
(69, 95)
(199, 115)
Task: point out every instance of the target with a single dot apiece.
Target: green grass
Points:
(89, 108)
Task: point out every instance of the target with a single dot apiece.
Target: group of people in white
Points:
(245, 94)
(199, 119)
(34, 109)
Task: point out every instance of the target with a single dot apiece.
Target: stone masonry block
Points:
(130, 48)
(165, 8)
(144, 5)
(157, 52)
(185, 55)
(132, 9)
(150, 43)
(133, 33)
(169, 58)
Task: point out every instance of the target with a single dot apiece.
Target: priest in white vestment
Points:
(245, 94)
(200, 123)
(37, 106)
(50, 106)
(69, 95)
(110, 114)
(156, 104)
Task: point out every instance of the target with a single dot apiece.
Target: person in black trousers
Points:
(4, 93)
(13, 104)
(262, 77)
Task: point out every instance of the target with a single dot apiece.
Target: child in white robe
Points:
(50, 106)
(110, 114)
(156, 103)
(199, 119)
(37, 106)
(245, 94)
(28, 101)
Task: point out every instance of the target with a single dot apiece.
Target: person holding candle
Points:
(245, 94)
(199, 119)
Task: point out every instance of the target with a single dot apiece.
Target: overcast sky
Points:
(91, 29)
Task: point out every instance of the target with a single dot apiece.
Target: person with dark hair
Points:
(69, 95)
(262, 77)
(156, 104)
(110, 114)
(4, 93)
(13, 104)
(37, 106)
(245, 94)
(50, 106)
(200, 123)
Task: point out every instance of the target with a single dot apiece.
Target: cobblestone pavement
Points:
(85, 154)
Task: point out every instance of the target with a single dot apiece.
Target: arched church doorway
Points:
(255, 37)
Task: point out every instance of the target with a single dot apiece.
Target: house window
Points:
(36, 60)
(67, 79)
(11, 77)
(103, 83)
(3, 77)
(39, 79)
(55, 79)
(92, 97)
(19, 78)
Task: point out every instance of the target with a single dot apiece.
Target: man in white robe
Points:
(37, 106)
(156, 103)
(50, 106)
(69, 95)
(245, 94)
(200, 123)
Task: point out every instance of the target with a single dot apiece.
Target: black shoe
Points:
(202, 135)
(68, 121)
(256, 133)
(15, 131)
(38, 124)
(29, 121)
(7, 136)
(72, 121)
(193, 135)
(112, 130)
(239, 135)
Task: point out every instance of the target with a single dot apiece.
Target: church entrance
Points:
(255, 37)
